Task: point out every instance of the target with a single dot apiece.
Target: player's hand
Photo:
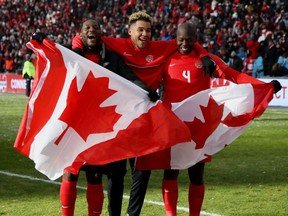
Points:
(153, 95)
(39, 37)
(209, 66)
(277, 85)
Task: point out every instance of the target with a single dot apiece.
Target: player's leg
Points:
(68, 193)
(94, 193)
(140, 179)
(196, 188)
(170, 191)
(116, 174)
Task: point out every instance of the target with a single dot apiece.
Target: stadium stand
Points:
(241, 27)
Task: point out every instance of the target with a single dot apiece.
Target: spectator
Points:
(281, 67)
(258, 66)
(2, 62)
(235, 62)
(241, 53)
(223, 54)
(252, 45)
(9, 64)
(61, 20)
(271, 57)
(248, 64)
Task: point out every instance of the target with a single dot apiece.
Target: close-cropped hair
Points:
(140, 15)
(190, 27)
(88, 18)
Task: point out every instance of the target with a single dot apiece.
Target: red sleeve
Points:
(200, 50)
(118, 45)
(228, 73)
(77, 42)
(159, 50)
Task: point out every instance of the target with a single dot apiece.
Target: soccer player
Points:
(92, 49)
(142, 55)
(89, 45)
(146, 58)
(184, 77)
(141, 58)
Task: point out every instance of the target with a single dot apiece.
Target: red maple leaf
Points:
(199, 130)
(83, 112)
(238, 121)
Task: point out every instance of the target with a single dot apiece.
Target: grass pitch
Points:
(250, 177)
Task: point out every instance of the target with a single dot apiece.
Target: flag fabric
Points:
(215, 117)
(81, 113)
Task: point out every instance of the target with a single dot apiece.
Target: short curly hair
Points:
(140, 15)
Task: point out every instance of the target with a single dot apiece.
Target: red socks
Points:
(68, 193)
(195, 198)
(95, 199)
(170, 196)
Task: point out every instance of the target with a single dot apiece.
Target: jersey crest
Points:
(149, 58)
(198, 64)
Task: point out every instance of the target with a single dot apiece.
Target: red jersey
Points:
(253, 47)
(146, 63)
(183, 76)
(78, 44)
(92, 57)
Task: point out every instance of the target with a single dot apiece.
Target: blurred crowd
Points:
(249, 35)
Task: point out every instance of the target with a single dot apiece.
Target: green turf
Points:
(250, 177)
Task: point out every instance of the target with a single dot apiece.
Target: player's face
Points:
(185, 41)
(140, 33)
(90, 33)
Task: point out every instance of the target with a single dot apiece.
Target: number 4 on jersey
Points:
(186, 75)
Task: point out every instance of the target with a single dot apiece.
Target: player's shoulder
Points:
(164, 42)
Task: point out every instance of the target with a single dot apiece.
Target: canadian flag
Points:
(80, 112)
(215, 117)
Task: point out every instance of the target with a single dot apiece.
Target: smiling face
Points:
(90, 33)
(140, 33)
(186, 38)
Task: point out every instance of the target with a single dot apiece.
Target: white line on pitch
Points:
(84, 188)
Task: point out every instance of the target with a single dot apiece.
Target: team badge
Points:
(198, 64)
(149, 58)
